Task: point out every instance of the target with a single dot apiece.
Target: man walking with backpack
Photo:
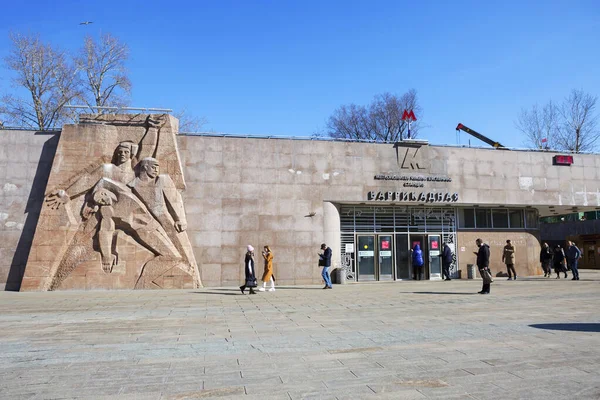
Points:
(573, 256)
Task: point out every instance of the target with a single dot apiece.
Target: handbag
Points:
(486, 276)
(321, 263)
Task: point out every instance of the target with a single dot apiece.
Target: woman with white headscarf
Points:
(249, 271)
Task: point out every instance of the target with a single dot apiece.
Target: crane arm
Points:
(461, 127)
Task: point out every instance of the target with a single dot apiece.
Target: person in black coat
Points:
(483, 264)
(249, 271)
(446, 261)
(546, 260)
(559, 262)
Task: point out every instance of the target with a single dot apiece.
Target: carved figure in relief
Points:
(153, 216)
(121, 210)
(159, 194)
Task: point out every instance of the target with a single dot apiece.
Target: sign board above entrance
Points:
(422, 197)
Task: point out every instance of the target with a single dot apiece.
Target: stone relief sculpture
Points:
(131, 220)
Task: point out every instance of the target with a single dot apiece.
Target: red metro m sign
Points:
(408, 115)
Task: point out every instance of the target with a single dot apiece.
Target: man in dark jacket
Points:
(573, 256)
(483, 264)
(446, 261)
(326, 258)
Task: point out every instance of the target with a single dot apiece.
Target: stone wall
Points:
(283, 193)
(25, 161)
(527, 251)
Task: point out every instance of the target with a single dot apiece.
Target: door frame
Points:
(377, 267)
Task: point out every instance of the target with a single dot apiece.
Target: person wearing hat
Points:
(249, 271)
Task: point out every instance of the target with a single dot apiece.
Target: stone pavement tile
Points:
(225, 392)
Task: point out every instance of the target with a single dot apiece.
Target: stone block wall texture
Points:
(242, 191)
(25, 162)
(527, 251)
(140, 252)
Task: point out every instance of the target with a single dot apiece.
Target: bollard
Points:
(471, 271)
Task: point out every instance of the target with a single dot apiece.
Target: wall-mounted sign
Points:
(385, 253)
(412, 178)
(562, 160)
(349, 248)
(366, 253)
(423, 197)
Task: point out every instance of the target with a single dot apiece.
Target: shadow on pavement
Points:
(459, 293)
(574, 326)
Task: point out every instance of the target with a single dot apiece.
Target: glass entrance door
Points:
(386, 262)
(366, 257)
(375, 261)
(435, 261)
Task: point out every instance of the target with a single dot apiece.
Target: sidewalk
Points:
(534, 338)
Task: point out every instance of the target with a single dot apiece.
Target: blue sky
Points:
(282, 67)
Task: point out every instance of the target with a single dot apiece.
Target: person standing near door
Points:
(483, 264)
(325, 262)
(508, 257)
(417, 262)
(446, 261)
(573, 256)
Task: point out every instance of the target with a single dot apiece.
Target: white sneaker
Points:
(272, 289)
(262, 289)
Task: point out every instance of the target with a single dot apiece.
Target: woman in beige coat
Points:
(268, 274)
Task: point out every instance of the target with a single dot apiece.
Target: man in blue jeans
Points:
(326, 263)
(573, 256)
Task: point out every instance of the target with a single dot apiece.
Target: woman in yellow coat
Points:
(268, 274)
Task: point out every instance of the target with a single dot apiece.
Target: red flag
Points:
(544, 140)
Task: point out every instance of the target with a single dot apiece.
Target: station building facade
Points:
(370, 202)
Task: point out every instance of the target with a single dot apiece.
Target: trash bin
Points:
(471, 271)
(340, 275)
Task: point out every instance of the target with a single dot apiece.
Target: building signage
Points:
(366, 253)
(423, 197)
(412, 178)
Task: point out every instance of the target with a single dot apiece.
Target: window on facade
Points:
(466, 218)
(483, 218)
(516, 218)
(532, 219)
(500, 217)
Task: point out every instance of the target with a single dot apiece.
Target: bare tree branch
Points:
(381, 120)
(188, 122)
(48, 78)
(538, 125)
(106, 82)
(578, 130)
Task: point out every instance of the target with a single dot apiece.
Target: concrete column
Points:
(331, 231)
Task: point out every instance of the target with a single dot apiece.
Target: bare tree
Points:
(539, 125)
(578, 130)
(189, 122)
(48, 80)
(106, 83)
(381, 120)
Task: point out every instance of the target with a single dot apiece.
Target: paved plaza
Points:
(533, 338)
